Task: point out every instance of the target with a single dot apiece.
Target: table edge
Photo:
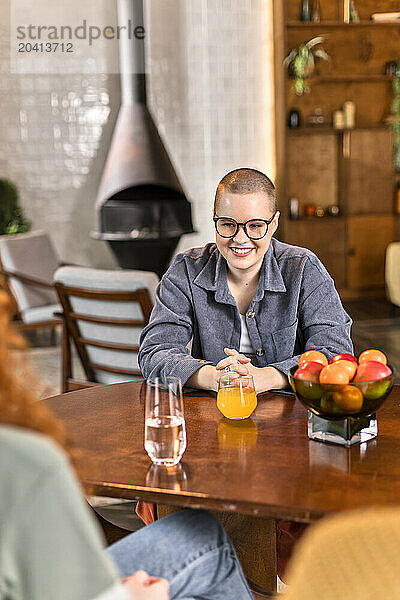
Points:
(201, 501)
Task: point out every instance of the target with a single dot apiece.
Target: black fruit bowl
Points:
(320, 400)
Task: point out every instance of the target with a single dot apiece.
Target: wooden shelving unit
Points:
(357, 78)
(348, 168)
(317, 24)
(324, 129)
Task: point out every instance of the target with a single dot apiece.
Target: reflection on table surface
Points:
(239, 434)
(170, 478)
(324, 455)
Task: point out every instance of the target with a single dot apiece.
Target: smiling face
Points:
(242, 254)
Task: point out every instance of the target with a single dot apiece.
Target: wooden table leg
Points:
(254, 539)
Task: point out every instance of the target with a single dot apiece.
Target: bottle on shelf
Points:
(390, 68)
(305, 12)
(293, 208)
(333, 210)
(293, 119)
(353, 12)
(316, 12)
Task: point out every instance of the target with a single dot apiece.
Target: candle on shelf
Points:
(349, 114)
(338, 119)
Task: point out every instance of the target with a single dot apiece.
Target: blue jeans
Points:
(191, 550)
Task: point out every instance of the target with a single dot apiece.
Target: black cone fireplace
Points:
(141, 209)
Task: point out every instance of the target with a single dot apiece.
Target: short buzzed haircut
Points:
(247, 181)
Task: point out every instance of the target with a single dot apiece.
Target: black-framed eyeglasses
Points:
(255, 229)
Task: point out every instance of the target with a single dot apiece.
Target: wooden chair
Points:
(104, 313)
(27, 263)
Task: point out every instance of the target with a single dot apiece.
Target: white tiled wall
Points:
(211, 93)
(54, 131)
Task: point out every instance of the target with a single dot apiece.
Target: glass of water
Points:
(165, 432)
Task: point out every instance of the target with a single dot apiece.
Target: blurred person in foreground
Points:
(50, 544)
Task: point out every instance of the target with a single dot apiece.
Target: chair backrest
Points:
(350, 556)
(32, 254)
(105, 312)
(392, 272)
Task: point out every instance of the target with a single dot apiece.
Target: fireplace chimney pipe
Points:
(132, 63)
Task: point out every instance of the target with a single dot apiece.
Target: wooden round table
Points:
(265, 465)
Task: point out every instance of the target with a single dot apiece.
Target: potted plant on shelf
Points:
(12, 219)
(300, 62)
(396, 117)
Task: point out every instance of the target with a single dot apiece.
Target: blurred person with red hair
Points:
(50, 546)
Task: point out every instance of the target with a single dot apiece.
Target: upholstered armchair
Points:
(28, 262)
(392, 274)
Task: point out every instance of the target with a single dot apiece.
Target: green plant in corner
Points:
(300, 62)
(396, 117)
(11, 216)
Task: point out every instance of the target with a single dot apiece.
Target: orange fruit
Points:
(334, 374)
(313, 356)
(347, 364)
(372, 354)
(349, 398)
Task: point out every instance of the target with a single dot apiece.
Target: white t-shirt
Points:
(245, 344)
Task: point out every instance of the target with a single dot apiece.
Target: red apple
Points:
(372, 354)
(371, 371)
(348, 357)
(309, 371)
(308, 386)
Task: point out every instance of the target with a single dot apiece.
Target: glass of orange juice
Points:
(236, 397)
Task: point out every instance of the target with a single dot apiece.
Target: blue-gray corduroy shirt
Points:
(296, 308)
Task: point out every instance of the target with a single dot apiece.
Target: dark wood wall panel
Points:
(369, 172)
(312, 176)
(325, 237)
(368, 237)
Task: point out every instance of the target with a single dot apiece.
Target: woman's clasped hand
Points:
(235, 362)
(265, 378)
